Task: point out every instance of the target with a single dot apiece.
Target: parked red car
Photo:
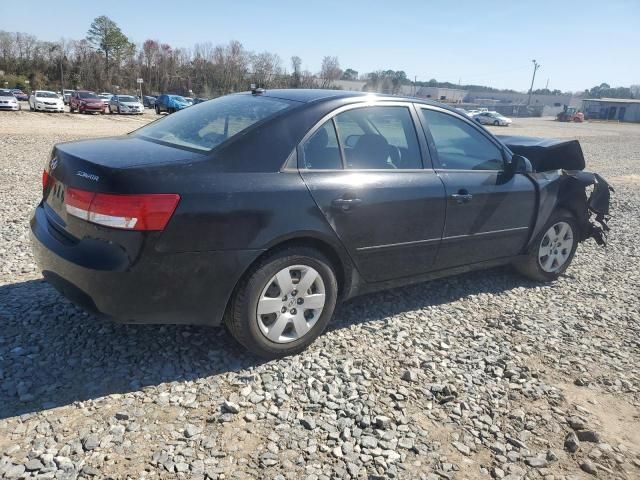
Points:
(20, 95)
(84, 101)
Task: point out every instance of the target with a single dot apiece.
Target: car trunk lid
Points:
(95, 181)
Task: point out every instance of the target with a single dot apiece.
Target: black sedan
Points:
(149, 101)
(262, 210)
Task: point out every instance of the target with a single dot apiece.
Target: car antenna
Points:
(255, 90)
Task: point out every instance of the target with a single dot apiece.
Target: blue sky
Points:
(578, 43)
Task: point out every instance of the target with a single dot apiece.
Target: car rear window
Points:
(208, 124)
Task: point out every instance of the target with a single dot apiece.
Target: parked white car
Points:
(492, 118)
(8, 101)
(106, 98)
(45, 101)
(125, 104)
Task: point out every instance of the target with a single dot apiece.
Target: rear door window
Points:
(381, 137)
(321, 151)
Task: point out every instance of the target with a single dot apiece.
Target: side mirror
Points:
(520, 164)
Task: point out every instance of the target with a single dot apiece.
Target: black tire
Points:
(71, 110)
(240, 317)
(157, 110)
(496, 123)
(170, 110)
(530, 266)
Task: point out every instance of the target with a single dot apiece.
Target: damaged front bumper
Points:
(562, 183)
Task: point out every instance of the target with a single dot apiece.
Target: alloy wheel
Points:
(555, 247)
(291, 303)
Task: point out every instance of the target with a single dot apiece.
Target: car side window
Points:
(321, 151)
(460, 146)
(378, 138)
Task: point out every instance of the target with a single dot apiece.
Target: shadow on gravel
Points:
(54, 354)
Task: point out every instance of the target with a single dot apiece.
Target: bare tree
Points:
(296, 67)
(266, 66)
(330, 71)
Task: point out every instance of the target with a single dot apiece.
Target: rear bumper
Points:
(181, 288)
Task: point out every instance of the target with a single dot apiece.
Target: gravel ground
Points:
(480, 376)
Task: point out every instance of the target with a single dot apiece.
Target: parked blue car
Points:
(170, 103)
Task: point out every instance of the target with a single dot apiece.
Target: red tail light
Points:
(128, 212)
(45, 179)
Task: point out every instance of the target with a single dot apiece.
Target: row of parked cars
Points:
(84, 101)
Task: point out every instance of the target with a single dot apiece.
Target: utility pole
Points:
(547, 86)
(536, 66)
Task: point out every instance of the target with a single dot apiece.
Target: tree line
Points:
(107, 60)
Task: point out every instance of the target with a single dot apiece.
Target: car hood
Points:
(546, 154)
(131, 104)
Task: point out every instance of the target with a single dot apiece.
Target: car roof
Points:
(320, 95)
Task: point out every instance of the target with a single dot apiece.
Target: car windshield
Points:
(178, 98)
(207, 125)
(6, 94)
(46, 95)
(127, 98)
(87, 95)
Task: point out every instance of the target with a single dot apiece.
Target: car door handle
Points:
(346, 203)
(463, 196)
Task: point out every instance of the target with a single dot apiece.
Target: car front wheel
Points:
(553, 249)
(157, 110)
(283, 303)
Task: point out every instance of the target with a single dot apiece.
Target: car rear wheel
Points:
(157, 110)
(496, 123)
(553, 249)
(283, 303)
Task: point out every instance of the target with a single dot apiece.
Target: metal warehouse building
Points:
(621, 109)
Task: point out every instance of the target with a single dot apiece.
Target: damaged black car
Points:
(261, 210)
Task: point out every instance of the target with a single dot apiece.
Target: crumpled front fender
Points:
(568, 189)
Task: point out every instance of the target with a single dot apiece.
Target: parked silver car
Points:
(8, 101)
(66, 95)
(492, 118)
(125, 104)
